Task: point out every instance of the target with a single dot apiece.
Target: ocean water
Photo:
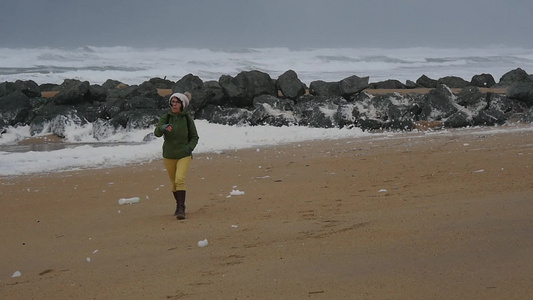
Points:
(136, 65)
(22, 154)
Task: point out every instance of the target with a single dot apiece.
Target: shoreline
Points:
(418, 215)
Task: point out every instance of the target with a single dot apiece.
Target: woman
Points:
(178, 129)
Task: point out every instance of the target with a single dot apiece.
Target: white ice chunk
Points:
(236, 193)
(202, 243)
(132, 200)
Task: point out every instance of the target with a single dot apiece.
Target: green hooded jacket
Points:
(181, 141)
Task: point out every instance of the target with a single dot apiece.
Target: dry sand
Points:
(411, 216)
(167, 92)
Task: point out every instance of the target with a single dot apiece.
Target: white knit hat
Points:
(184, 99)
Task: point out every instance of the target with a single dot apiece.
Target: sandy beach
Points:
(420, 215)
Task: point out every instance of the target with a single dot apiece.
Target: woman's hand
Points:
(166, 127)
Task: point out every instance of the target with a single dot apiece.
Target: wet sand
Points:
(429, 215)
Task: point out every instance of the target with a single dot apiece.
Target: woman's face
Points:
(175, 105)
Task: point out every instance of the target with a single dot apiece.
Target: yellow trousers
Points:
(177, 171)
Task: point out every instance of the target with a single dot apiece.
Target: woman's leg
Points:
(171, 165)
(182, 167)
(178, 177)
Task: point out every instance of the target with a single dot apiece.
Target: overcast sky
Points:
(266, 23)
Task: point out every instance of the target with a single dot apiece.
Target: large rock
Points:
(472, 98)
(453, 82)
(439, 104)
(14, 108)
(270, 110)
(317, 111)
(426, 82)
(521, 91)
(483, 80)
(214, 94)
(97, 93)
(388, 84)
(28, 88)
(353, 85)
(388, 111)
(224, 115)
(7, 88)
(290, 85)
(513, 76)
(490, 117)
(139, 119)
(55, 118)
(459, 119)
(73, 92)
(243, 88)
(325, 89)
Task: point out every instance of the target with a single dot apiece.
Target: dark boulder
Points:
(388, 111)
(270, 110)
(513, 76)
(472, 98)
(91, 113)
(214, 94)
(28, 88)
(73, 92)
(521, 91)
(140, 102)
(490, 117)
(353, 85)
(500, 102)
(148, 89)
(14, 108)
(7, 88)
(325, 89)
(459, 119)
(409, 84)
(224, 115)
(290, 85)
(439, 104)
(317, 111)
(55, 119)
(453, 82)
(138, 119)
(388, 84)
(426, 82)
(483, 80)
(243, 88)
(97, 93)
(113, 106)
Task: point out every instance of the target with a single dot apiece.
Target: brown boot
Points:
(180, 204)
(177, 202)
